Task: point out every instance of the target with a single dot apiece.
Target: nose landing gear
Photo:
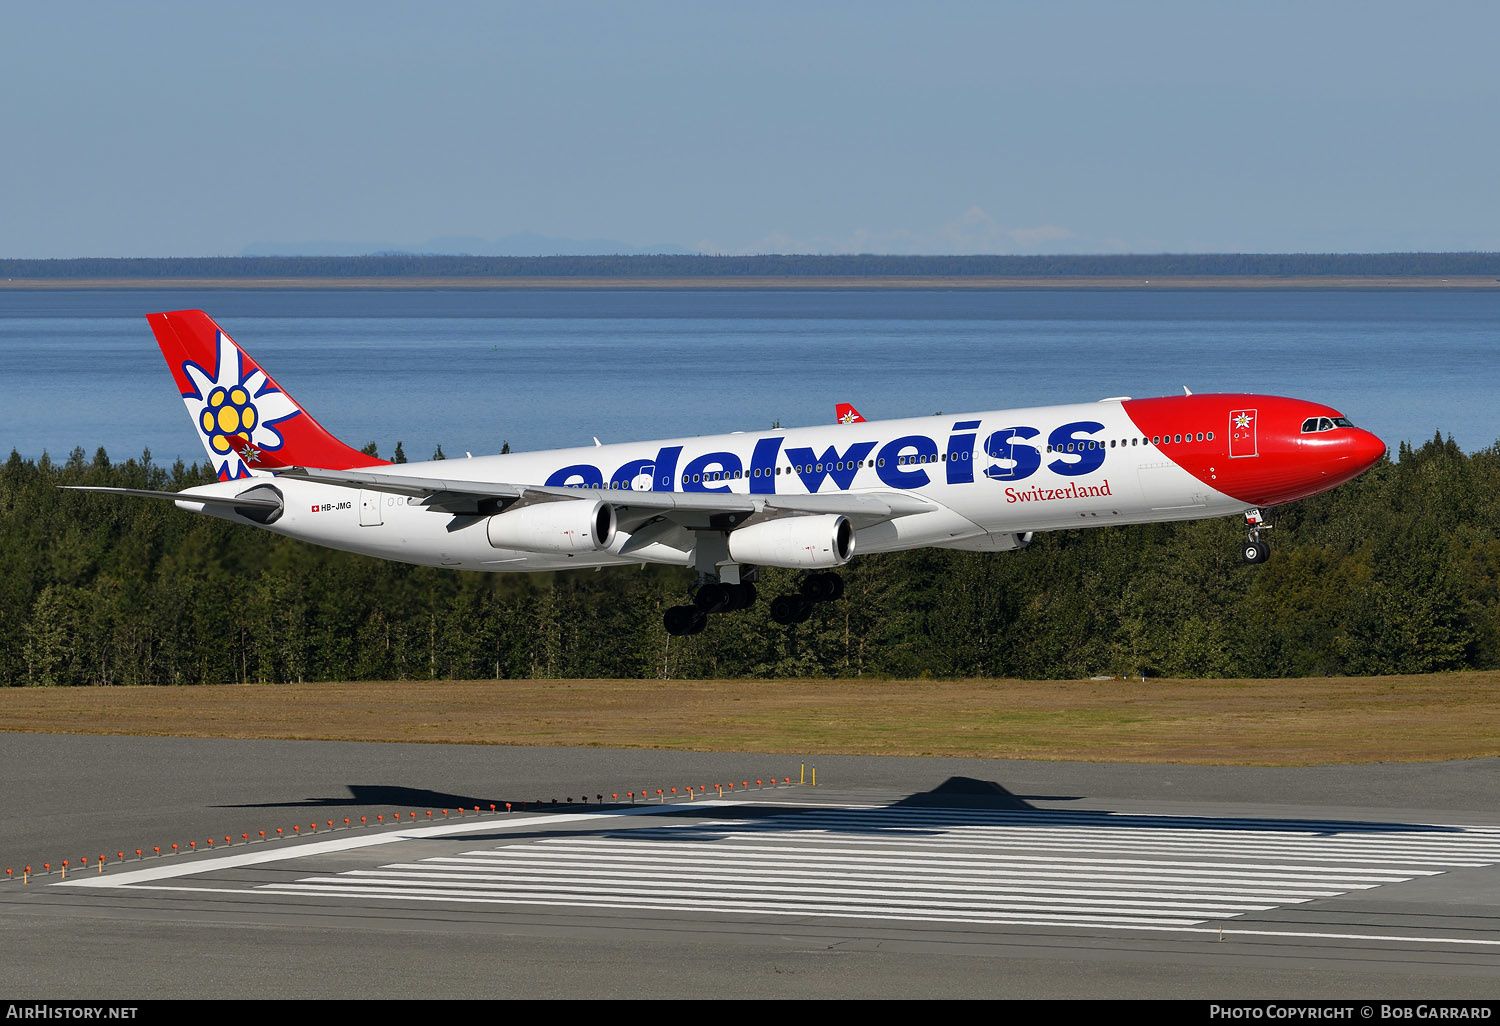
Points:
(1255, 550)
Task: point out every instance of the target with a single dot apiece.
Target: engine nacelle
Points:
(803, 543)
(569, 525)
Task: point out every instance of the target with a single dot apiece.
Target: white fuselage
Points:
(989, 478)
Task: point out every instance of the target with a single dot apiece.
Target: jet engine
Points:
(569, 525)
(809, 542)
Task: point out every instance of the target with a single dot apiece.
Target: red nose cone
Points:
(1367, 450)
(1355, 452)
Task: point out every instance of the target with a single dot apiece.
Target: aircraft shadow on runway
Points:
(984, 799)
(987, 795)
(973, 793)
(955, 792)
(382, 796)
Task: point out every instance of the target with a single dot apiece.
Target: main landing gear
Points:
(1255, 550)
(712, 597)
(733, 590)
(796, 608)
(725, 597)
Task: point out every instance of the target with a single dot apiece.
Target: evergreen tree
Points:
(1397, 571)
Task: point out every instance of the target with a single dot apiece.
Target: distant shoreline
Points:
(967, 283)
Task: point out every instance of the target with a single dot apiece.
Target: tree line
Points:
(1395, 572)
(410, 265)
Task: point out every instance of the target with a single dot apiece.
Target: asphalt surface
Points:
(892, 878)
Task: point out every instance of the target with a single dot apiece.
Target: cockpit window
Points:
(1312, 424)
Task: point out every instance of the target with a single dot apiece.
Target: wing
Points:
(656, 526)
(692, 510)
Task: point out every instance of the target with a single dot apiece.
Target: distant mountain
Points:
(523, 244)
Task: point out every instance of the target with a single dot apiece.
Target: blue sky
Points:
(204, 128)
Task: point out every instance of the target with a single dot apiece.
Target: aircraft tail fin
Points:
(243, 418)
(844, 413)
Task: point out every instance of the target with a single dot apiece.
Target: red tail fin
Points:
(846, 414)
(244, 419)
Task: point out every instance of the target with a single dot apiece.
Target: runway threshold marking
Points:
(213, 862)
(1065, 869)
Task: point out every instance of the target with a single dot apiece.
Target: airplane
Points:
(808, 498)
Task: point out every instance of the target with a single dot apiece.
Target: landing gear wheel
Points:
(823, 587)
(715, 598)
(681, 620)
(790, 609)
(1255, 552)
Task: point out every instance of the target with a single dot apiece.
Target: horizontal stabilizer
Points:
(257, 501)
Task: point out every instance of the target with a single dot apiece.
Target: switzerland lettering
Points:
(1073, 491)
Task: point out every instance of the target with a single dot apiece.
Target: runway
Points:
(952, 885)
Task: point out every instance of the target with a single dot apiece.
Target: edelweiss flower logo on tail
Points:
(236, 413)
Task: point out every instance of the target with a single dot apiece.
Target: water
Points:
(545, 368)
